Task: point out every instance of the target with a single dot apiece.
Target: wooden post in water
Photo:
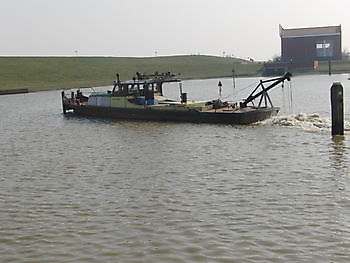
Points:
(337, 105)
(233, 78)
(63, 106)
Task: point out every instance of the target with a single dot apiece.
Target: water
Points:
(88, 190)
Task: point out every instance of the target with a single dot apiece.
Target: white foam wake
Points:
(309, 122)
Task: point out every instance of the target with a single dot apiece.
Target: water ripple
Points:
(87, 190)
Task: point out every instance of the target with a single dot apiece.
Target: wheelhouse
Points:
(147, 86)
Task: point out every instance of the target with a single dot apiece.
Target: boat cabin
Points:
(146, 86)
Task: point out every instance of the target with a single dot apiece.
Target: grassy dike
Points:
(49, 73)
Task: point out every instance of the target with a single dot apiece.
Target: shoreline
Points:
(13, 91)
(62, 73)
(91, 85)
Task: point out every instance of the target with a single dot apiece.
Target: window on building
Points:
(324, 48)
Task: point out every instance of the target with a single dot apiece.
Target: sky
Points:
(144, 28)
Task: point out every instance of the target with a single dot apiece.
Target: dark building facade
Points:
(303, 46)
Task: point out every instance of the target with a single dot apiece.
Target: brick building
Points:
(302, 46)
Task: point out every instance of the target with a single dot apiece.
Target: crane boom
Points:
(263, 92)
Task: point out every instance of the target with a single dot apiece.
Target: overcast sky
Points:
(244, 28)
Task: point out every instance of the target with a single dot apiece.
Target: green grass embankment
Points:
(48, 73)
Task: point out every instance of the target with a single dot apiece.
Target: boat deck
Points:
(221, 110)
(232, 110)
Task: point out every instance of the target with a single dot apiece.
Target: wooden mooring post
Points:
(329, 67)
(63, 106)
(337, 105)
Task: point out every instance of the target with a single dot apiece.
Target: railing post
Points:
(337, 105)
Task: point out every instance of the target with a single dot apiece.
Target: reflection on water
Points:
(338, 154)
(91, 190)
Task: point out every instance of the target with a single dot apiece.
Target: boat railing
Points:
(86, 91)
(78, 96)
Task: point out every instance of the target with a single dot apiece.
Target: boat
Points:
(142, 99)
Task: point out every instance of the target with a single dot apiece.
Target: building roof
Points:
(310, 31)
